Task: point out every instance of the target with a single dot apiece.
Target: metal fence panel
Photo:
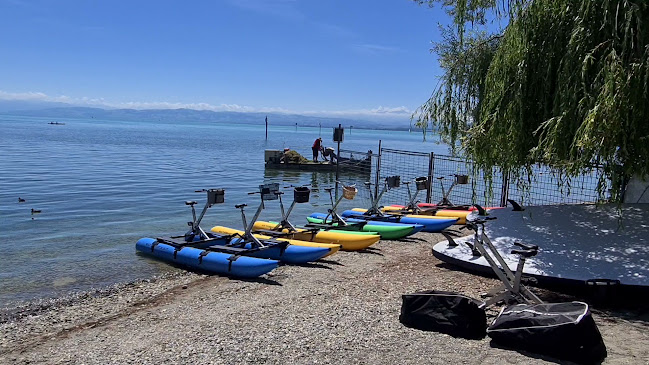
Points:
(543, 186)
(477, 191)
(409, 166)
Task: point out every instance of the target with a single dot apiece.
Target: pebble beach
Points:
(344, 310)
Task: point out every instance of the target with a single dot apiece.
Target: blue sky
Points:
(328, 57)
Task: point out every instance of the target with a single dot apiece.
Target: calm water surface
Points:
(101, 185)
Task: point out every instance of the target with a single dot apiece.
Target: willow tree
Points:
(564, 83)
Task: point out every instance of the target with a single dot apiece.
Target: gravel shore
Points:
(342, 310)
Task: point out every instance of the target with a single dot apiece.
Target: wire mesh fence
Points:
(408, 166)
(545, 186)
(453, 180)
(455, 183)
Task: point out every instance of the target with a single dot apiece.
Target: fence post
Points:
(504, 190)
(431, 170)
(378, 171)
(340, 127)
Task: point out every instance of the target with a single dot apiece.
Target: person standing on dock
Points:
(317, 145)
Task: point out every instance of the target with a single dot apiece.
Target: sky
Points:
(364, 58)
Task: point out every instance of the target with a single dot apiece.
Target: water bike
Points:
(444, 207)
(332, 219)
(511, 290)
(564, 331)
(280, 250)
(206, 252)
(457, 314)
(375, 213)
(350, 241)
(247, 237)
(414, 207)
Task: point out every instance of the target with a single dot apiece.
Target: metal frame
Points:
(510, 290)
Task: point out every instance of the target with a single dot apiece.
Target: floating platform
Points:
(274, 160)
(578, 244)
(345, 165)
(308, 166)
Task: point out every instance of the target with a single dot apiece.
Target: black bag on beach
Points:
(562, 330)
(446, 312)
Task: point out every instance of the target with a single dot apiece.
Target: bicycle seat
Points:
(525, 253)
(482, 220)
(526, 246)
(240, 206)
(328, 189)
(190, 203)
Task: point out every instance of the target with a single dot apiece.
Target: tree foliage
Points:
(566, 83)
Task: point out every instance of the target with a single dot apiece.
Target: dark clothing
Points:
(317, 145)
(315, 153)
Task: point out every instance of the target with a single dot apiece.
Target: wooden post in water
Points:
(267, 127)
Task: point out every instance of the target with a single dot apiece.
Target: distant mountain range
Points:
(62, 110)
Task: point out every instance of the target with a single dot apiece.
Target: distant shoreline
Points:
(207, 116)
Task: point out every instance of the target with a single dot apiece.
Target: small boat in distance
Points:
(56, 123)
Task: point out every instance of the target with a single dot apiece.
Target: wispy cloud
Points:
(334, 30)
(280, 8)
(33, 96)
(375, 48)
(380, 112)
(288, 9)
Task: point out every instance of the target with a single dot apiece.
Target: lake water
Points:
(102, 185)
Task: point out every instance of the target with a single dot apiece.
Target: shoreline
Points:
(344, 309)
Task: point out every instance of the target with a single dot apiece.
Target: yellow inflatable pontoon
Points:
(349, 241)
(226, 230)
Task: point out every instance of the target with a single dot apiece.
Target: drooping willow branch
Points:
(567, 85)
